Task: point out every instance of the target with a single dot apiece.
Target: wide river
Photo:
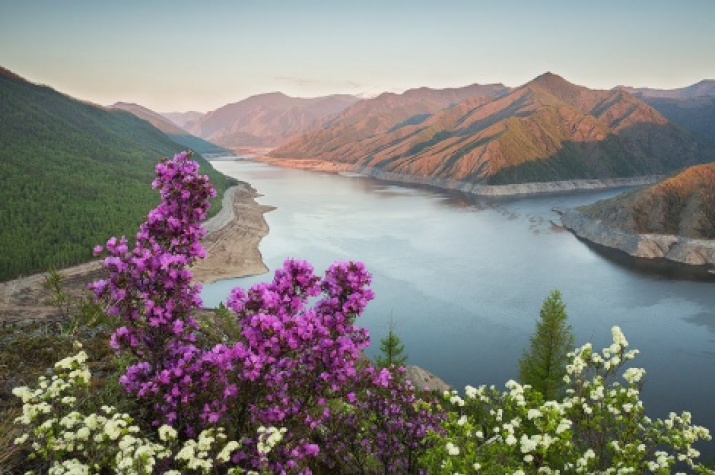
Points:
(463, 279)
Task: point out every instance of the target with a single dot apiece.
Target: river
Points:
(463, 279)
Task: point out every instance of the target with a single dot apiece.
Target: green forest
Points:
(72, 175)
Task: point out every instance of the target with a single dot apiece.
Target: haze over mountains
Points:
(545, 130)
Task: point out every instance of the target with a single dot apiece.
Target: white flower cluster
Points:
(79, 444)
(598, 427)
(268, 437)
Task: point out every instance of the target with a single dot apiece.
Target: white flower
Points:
(452, 449)
(528, 444)
(462, 420)
(563, 426)
(470, 392)
(533, 414)
(225, 454)
(633, 375)
(455, 399)
(167, 433)
(618, 337)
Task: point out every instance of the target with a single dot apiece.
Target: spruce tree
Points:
(543, 366)
(392, 350)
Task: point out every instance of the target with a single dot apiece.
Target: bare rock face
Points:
(421, 379)
(680, 249)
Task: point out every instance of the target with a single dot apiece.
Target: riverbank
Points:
(232, 251)
(233, 239)
(520, 189)
(677, 249)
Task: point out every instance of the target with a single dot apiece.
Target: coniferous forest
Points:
(71, 175)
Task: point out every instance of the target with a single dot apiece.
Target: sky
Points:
(176, 55)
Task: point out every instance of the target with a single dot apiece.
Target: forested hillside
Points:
(71, 175)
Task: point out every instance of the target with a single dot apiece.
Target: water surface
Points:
(463, 279)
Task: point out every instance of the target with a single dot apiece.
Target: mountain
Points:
(692, 107)
(703, 88)
(696, 114)
(183, 119)
(267, 119)
(175, 133)
(545, 130)
(372, 123)
(682, 205)
(71, 175)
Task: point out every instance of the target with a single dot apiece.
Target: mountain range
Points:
(546, 130)
(265, 120)
(72, 174)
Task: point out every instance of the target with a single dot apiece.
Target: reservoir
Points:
(463, 279)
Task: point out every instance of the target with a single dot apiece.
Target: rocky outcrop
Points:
(697, 252)
(423, 379)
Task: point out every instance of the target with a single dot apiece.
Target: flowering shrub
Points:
(76, 443)
(291, 366)
(599, 427)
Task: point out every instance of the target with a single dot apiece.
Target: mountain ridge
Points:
(545, 130)
(266, 119)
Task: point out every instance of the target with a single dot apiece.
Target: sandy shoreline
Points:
(232, 251)
(232, 242)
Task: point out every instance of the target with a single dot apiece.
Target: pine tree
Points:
(392, 350)
(543, 366)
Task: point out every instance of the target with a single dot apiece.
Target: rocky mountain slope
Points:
(545, 130)
(71, 175)
(682, 205)
(267, 119)
(673, 219)
(175, 133)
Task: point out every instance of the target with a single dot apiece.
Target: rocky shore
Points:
(467, 187)
(695, 252)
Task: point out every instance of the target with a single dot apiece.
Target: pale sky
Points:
(175, 55)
